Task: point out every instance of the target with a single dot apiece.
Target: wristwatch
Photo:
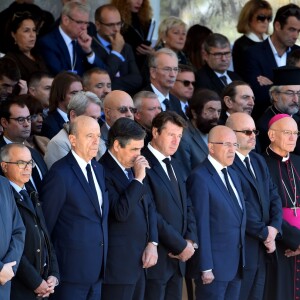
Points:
(154, 243)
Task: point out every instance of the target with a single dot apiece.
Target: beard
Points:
(205, 125)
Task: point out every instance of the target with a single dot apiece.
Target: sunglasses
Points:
(125, 109)
(263, 18)
(187, 83)
(248, 132)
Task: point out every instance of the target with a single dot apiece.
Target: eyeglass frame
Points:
(78, 22)
(248, 132)
(219, 55)
(263, 18)
(21, 120)
(133, 110)
(290, 93)
(31, 163)
(226, 144)
(111, 25)
(187, 83)
(287, 132)
(168, 69)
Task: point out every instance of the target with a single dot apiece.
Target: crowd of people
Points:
(129, 169)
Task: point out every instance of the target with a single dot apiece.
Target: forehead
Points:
(224, 48)
(135, 144)
(46, 81)
(122, 101)
(224, 135)
(177, 28)
(292, 22)
(76, 85)
(290, 88)
(100, 77)
(27, 23)
(244, 122)
(20, 153)
(244, 89)
(149, 102)
(286, 124)
(108, 14)
(82, 15)
(166, 60)
(88, 127)
(171, 127)
(18, 111)
(186, 75)
(263, 11)
(216, 104)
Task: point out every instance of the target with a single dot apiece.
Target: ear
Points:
(275, 96)
(97, 23)
(271, 135)
(152, 72)
(3, 122)
(154, 132)
(72, 139)
(65, 19)
(4, 166)
(116, 146)
(210, 147)
(137, 115)
(13, 36)
(277, 26)
(228, 101)
(72, 115)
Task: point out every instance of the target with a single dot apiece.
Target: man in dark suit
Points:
(176, 222)
(16, 122)
(37, 274)
(163, 66)
(263, 205)
(218, 201)
(108, 44)
(132, 225)
(75, 206)
(68, 47)
(217, 56)
(203, 112)
(271, 53)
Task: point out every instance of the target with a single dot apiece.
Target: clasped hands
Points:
(186, 254)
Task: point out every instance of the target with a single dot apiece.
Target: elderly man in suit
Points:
(37, 275)
(176, 221)
(132, 224)
(221, 220)
(75, 206)
(68, 47)
(263, 205)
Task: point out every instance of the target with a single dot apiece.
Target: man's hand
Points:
(85, 41)
(271, 246)
(23, 87)
(150, 256)
(272, 233)
(207, 277)
(290, 253)
(139, 167)
(7, 272)
(186, 254)
(262, 80)
(143, 49)
(42, 289)
(117, 42)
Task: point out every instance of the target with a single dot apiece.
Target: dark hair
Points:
(9, 69)
(216, 40)
(33, 104)
(199, 99)
(186, 68)
(87, 74)
(59, 88)
(286, 11)
(6, 105)
(293, 58)
(195, 38)
(162, 118)
(36, 77)
(124, 130)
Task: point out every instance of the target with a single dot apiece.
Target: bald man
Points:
(283, 278)
(117, 104)
(75, 206)
(263, 205)
(221, 220)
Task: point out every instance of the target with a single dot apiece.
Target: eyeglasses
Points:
(290, 94)
(168, 70)
(288, 132)
(125, 109)
(111, 25)
(79, 22)
(21, 120)
(187, 83)
(221, 54)
(248, 132)
(227, 144)
(263, 18)
(22, 164)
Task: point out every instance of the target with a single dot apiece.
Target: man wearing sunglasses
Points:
(263, 57)
(263, 206)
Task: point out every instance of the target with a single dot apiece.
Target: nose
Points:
(216, 114)
(251, 101)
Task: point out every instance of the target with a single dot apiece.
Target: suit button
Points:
(35, 225)
(240, 246)
(38, 250)
(101, 244)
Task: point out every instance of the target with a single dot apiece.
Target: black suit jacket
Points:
(129, 78)
(176, 221)
(174, 102)
(263, 206)
(52, 124)
(132, 224)
(207, 78)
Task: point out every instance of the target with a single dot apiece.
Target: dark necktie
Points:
(36, 178)
(129, 174)
(27, 199)
(91, 180)
(246, 160)
(109, 48)
(74, 44)
(230, 190)
(224, 80)
(172, 177)
(166, 102)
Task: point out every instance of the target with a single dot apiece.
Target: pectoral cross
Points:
(295, 210)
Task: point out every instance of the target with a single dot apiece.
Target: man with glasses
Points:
(184, 86)
(263, 57)
(163, 65)
(263, 204)
(217, 56)
(109, 45)
(284, 95)
(16, 122)
(68, 46)
(283, 276)
(37, 275)
(221, 219)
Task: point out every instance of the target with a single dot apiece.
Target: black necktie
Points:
(172, 177)
(36, 178)
(224, 80)
(109, 47)
(91, 180)
(166, 102)
(129, 174)
(74, 44)
(27, 199)
(246, 160)
(230, 190)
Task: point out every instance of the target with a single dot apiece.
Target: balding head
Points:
(118, 104)
(222, 144)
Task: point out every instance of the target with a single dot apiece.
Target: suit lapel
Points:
(63, 47)
(198, 139)
(244, 170)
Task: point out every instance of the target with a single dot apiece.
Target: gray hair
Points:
(274, 89)
(70, 6)
(153, 57)
(80, 101)
(4, 151)
(138, 98)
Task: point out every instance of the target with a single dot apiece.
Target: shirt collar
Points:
(103, 41)
(115, 159)
(156, 153)
(215, 163)
(160, 95)
(16, 187)
(81, 162)
(274, 49)
(65, 37)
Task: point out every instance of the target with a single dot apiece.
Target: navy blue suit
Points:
(132, 224)
(54, 50)
(221, 232)
(77, 228)
(176, 224)
(263, 207)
